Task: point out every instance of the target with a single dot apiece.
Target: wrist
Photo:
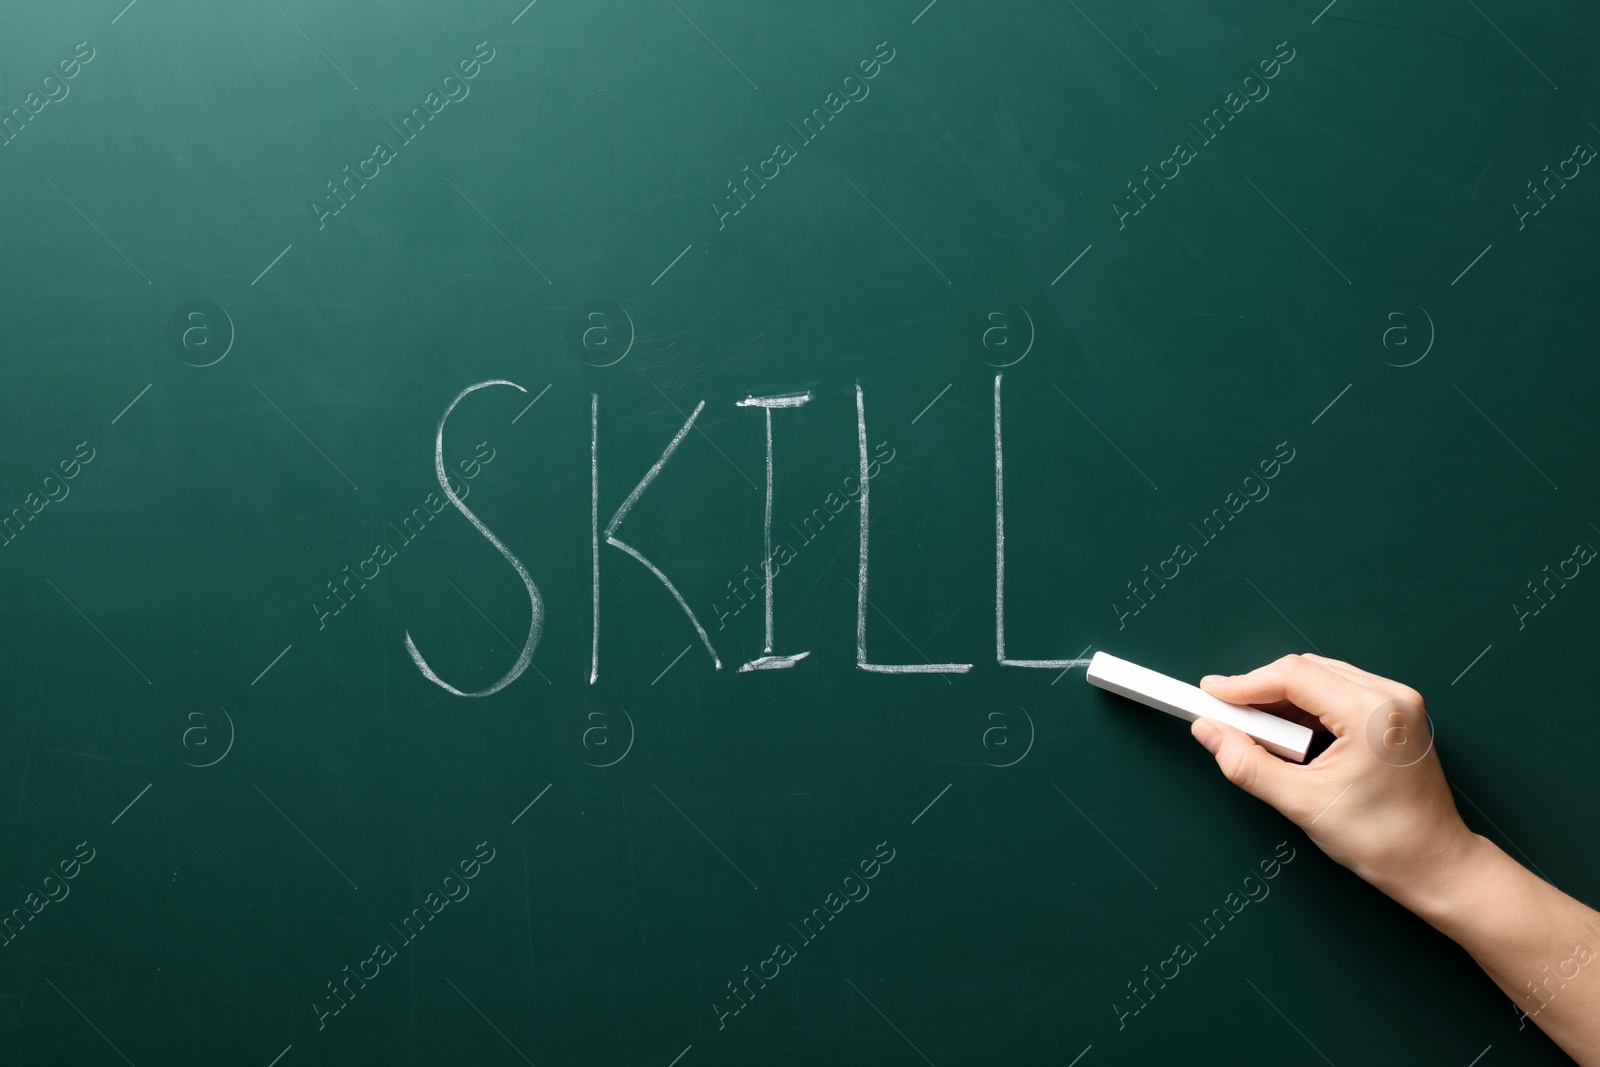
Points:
(1445, 885)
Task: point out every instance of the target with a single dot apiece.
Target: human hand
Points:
(1376, 801)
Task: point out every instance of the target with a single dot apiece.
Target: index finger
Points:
(1335, 700)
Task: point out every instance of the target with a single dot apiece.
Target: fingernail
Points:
(1209, 736)
(1212, 678)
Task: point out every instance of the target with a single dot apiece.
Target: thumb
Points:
(1246, 764)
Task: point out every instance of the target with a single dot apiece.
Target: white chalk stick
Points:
(1278, 736)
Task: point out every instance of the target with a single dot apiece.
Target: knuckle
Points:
(1243, 771)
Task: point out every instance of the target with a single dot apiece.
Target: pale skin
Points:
(1376, 801)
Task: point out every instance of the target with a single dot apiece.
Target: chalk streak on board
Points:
(1502, 433)
(1113, 44)
(1074, 263)
(1513, 44)
(1474, 262)
(768, 661)
(932, 402)
(680, 1056)
(713, 44)
(674, 263)
(131, 803)
(274, 263)
(524, 11)
(302, 833)
(273, 664)
(313, 44)
(674, 663)
(499, 231)
(702, 833)
(890, 1022)
(924, 11)
(899, 231)
(931, 803)
(1301, 232)
(1102, 833)
(1079, 1056)
(1324, 11)
(1332, 402)
(532, 402)
(90, 1021)
(1471, 665)
(861, 578)
(1290, 1022)
(594, 531)
(1480, 1056)
(1102, 433)
(279, 1056)
(99, 631)
(302, 433)
(490, 1021)
(531, 803)
(121, 13)
(102, 233)
(707, 436)
(132, 402)
(514, 646)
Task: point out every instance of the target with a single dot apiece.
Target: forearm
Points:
(1540, 946)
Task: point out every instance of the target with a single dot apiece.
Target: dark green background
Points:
(984, 160)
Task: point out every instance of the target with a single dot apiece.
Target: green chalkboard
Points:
(568, 533)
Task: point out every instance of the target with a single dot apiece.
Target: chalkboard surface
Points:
(503, 508)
